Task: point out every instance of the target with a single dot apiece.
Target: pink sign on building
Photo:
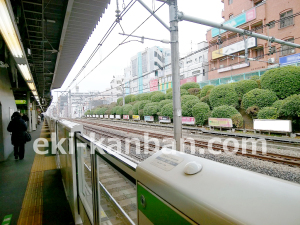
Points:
(153, 85)
(189, 79)
(250, 14)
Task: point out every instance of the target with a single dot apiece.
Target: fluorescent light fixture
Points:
(25, 71)
(8, 31)
(35, 93)
(31, 86)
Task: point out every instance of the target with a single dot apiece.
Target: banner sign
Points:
(153, 85)
(101, 116)
(189, 79)
(188, 120)
(111, 116)
(118, 117)
(164, 119)
(290, 59)
(97, 116)
(135, 117)
(94, 115)
(236, 21)
(149, 118)
(21, 102)
(236, 47)
(106, 116)
(273, 125)
(219, 122)
(125, 117)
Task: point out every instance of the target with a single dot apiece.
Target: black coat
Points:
(17, 127)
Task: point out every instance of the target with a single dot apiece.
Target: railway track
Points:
(271, 157)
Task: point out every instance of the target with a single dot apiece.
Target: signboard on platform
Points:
(106, 116)
(125, 117)
(101, 116)
(111, 116)
(188, 120)
(97, 116)
(20, 102)
(273, 125)
(164, 119)
(118, 117)
(94, 115)
(149, 118)
(136, 117)
(219, 122)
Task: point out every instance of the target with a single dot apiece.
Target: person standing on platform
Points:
(17, 127)
(42, 117)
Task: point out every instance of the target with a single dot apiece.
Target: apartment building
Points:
(274, 18)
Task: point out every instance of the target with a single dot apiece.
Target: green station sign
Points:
(21, 102)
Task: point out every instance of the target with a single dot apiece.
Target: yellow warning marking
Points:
(32, 207)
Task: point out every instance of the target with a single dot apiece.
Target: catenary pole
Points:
(175, 72)
(28, 111)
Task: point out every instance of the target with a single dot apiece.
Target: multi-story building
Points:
(274, 18)
(144, 67)
(151, 70)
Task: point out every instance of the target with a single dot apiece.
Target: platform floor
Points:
(31, 190)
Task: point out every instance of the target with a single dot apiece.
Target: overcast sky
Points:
(189, 35)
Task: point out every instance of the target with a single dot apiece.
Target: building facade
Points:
(274, 18)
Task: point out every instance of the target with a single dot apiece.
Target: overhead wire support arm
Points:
(142, 37)
(153, 13)
(183, 17)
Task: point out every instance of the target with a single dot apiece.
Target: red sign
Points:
(189, 79)
(188, 120)
(126, 117)
(250, 14)
(153, 85)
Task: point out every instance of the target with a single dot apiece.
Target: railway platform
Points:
(31, 189)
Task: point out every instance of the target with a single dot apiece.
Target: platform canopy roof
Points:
(53, 34)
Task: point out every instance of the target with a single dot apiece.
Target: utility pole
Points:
(246, 48)
(175, 72)
(123, 94)
(28, 111)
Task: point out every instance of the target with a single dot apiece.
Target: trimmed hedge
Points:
(278, 104)
(114, 110)
(101, 111)
(244, 86)
(164, 102)
(169, 90)
(187, 107)
(151, 109)
(189, 85)
(284, 81)
(126, 109)
(223, 95)
(205, 99)
(291, 107)
(128, 98)
(158, 97)
(194, 91)
(143, 96)
(169, 95)
(183, 92)
(119, 100)
(259, 97)
(119, 111)
(143, 103)
(205, 89)
(133, 98)
(252, 111)
(135, 108)
(87, 112)
(201, 112)
(187, 98)
(167, 110)
(268, 113)
(226, 111)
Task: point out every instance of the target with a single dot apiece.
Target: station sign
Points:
(106, 116)
(101, 116)
(136, 117)
(164, 119)
(118, 117)
(272, 125)
(149, 118)
(111, 116)
(220, 122)
(126, 117)
(20, 102)
(188, 120)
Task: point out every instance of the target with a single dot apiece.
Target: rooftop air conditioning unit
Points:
(271, 60)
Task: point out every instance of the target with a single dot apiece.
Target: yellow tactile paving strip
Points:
(32, 207)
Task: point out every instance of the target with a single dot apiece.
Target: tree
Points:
(223, 95)
(128, 98)
(189, 85)
(183, 92)
(167, 110)
(201, 112)
(186, 98)
(169, 95)
(114, 110)
(158, 97)
(268, 113)
(151, 109)
(169, 90)
(194, 91)
(244, 86)
(226, 111)
(291, 107)
(135, 108)
(119, 100)
(259, 97)
(284, 81)
(187, 107)
(143, 96)
(126, 109)
(163, 103)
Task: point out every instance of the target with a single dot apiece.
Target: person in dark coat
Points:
(25, 117)
(17, 127)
